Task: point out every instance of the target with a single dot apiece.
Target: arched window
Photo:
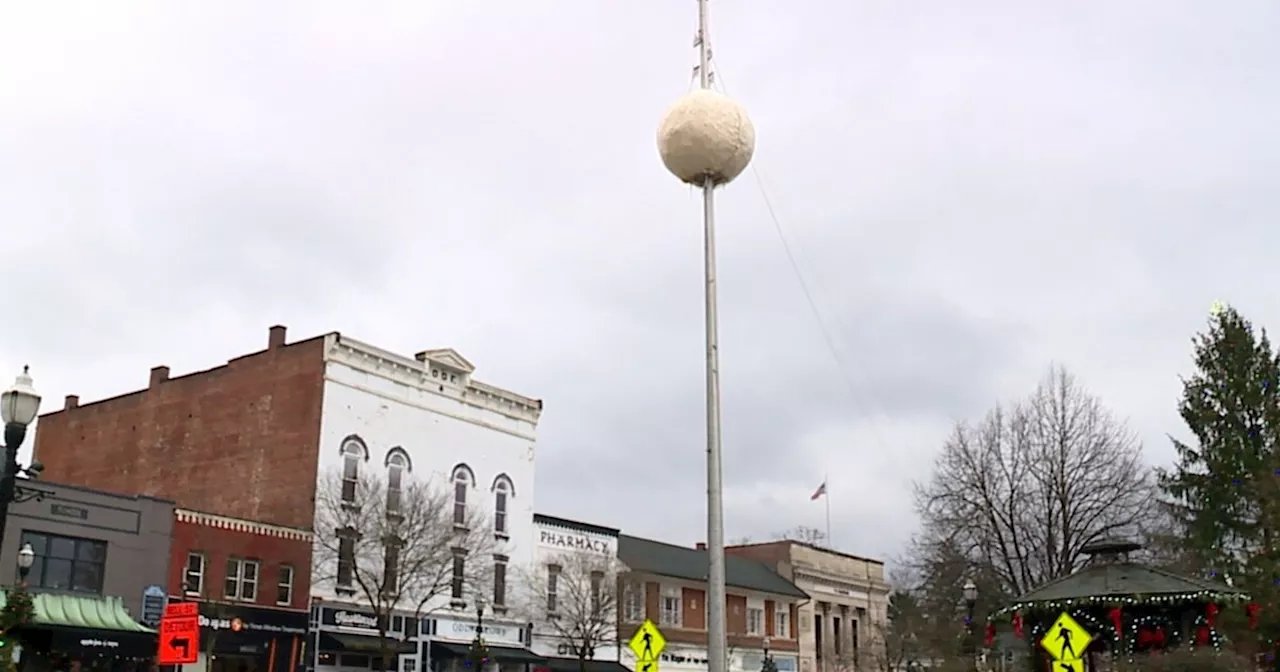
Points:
(463, 480)
(353, 451)
(397, 465)
(502, 494)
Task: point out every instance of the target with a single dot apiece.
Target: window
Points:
(597, 578)
(670, 612)
(459, 573)
(346, 558)
(633, 603)
(391, 568)
(66, 563)
(397, 464)
(781, 623)
(553, 588)
(242, 579)
(501, 494)
(353, 451)
(499, 583)
(462, 481)
(284, 586)
(193, 577)
(755, 621)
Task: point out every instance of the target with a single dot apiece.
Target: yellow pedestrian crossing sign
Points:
(647, 644)
(1066, 641)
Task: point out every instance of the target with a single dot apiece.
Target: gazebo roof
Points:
(1108, 580)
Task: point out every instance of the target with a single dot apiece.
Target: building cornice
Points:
(849, 583)
(410, 372)
(238, 525)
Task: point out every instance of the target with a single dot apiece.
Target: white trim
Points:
(238, 525)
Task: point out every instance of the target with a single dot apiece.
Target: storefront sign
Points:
(493, 633)
(349, 619)
(573, 541)
(226, 618)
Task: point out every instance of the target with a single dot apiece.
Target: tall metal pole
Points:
(716, 640)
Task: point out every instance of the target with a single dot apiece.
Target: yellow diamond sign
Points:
(1066, 641)
(1068, 665)
(647, 643)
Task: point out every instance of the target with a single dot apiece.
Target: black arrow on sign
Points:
(181, 643)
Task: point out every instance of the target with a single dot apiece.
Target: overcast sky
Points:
(972, 190)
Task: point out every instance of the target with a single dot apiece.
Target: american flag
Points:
(822, 490)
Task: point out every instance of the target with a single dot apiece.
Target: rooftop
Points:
(679, 562)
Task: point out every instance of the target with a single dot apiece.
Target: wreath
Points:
(478, 654)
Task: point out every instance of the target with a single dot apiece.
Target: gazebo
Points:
(1128, 608)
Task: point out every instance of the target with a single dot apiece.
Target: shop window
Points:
(193, 576)
(284, 586)
(242, 580)
(66, 563)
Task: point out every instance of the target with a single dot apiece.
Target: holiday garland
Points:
(478, 654)
(19, 610)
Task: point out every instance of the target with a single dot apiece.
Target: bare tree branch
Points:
(575, 596)
(1021, 493)
(394, 548)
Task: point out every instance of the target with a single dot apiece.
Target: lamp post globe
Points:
(970, 591)
(26, 558)
(20, 404)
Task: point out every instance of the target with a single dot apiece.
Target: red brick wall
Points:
(218, 544)
(240, 440)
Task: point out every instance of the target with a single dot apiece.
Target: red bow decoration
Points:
(1151, 637)
(1210, 613)
(1017, 624)
(1117, 622)
(990, 634)
(1202, 635)
(1252, 610)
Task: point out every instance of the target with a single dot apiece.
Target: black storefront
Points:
(348, 639)
(252, 639)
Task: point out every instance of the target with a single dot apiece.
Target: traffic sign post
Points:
(1066, 641)
(179, 634)
(647, 644)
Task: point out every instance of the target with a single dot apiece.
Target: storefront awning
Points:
(502, 654)
(575, 665)
(79, 624)
(334, 641)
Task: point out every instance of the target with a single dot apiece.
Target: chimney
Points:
(275, 337)
(71, 402)
(701, 546)
(159, 374)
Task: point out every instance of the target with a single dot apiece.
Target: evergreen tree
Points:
(1222, 487)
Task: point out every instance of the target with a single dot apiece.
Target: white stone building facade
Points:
(564, 547)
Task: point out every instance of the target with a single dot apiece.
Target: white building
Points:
(565, 550)
(426, 418)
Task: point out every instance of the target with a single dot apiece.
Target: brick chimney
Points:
(159, 374)
(72, 401)
(701, 546)
(275, 336)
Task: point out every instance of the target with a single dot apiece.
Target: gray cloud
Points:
(971, 192)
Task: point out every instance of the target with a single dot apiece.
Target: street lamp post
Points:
(970, 601)
(26, 558)
(767, 664)
(19, 406)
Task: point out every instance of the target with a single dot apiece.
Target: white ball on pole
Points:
(706, 134)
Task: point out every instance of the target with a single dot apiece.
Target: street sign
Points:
(647, 644)
(179, 634)
(1076, 665)
(1066, 641)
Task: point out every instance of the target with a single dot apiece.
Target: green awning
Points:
(81, 611)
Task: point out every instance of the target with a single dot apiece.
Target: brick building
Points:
(761, 606)
(252, 582)
(233, 440)
(843, 626)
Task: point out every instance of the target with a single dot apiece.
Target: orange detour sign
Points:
(179, 634)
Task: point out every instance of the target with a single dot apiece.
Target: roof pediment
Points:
(446, 357)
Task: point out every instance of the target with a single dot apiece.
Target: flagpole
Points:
(826, 496)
